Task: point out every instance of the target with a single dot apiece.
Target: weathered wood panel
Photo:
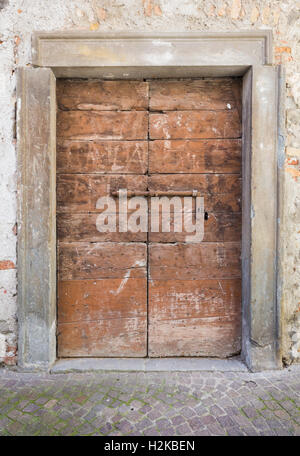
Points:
(221, 192)
(78, 260)
(102, 317)
(206, 183)
(93, 125)
(218, 227)
(195, 125)
(201, 94)
(104, 338)
(237, 88)
(80, 192)
(90, 300)
(194, 261)
(105, 317)
(204, 298)
(220, 203)
(216, 337)
(221, 227)
(194, 289)
(117, 157)
(102, 95)
(197, 156)
(83, 228)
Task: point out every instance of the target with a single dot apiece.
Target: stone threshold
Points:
(148, 365)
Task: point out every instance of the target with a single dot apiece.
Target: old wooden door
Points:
(127, 294)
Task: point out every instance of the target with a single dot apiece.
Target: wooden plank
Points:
(221, 192)
(117, 157)
(80, 192)
(219, 227)
(125, 337)
(79, 260)
(184, 299)
(73, 193)
(195, 125)
(208, 94)
(93, 125)
(90, 300)
(102, 95)
(206, 183)
(237, 88)
(195, 261)
(216, 337)
(197, 156)
(83, 228)
(227, 202)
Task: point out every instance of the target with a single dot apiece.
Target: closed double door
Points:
(124, 292)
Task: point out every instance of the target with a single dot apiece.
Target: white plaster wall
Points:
(19, 18)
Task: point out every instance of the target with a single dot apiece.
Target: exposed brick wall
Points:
(17, 22)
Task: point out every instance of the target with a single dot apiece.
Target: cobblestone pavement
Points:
(167, 404)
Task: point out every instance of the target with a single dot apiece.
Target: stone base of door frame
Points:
(148, 365)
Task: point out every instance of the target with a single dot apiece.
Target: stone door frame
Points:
(134, 56)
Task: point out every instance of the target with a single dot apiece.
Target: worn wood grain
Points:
(195, 125)
(102, 95)
(183, 299)
(218, 227)
(104, 338)
(213, 336)
(83, 228)
(195, 261)
(93, 125)
(117, 157)
(206, 183)
(80, 192)
(195, 156)
(221, 192)
(79, 260)
(90, 300)
(194, 290)
(200, 94)
(237, 88)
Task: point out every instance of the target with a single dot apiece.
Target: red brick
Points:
(6, 264)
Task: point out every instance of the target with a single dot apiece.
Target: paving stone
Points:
(30, 408)
(85, 429)
(143, 424)
(50, 404)
(250, 411)
(154, 414)
(134, 416)
(215, 410)
(196, 423)
(183, 429)
(170, 404)
(188, 412)
(234, 431)
(208, 420)
(152, 431)
(215, 429)
(225, 421)
(145, 409)
(178, 419)
(106, 428)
